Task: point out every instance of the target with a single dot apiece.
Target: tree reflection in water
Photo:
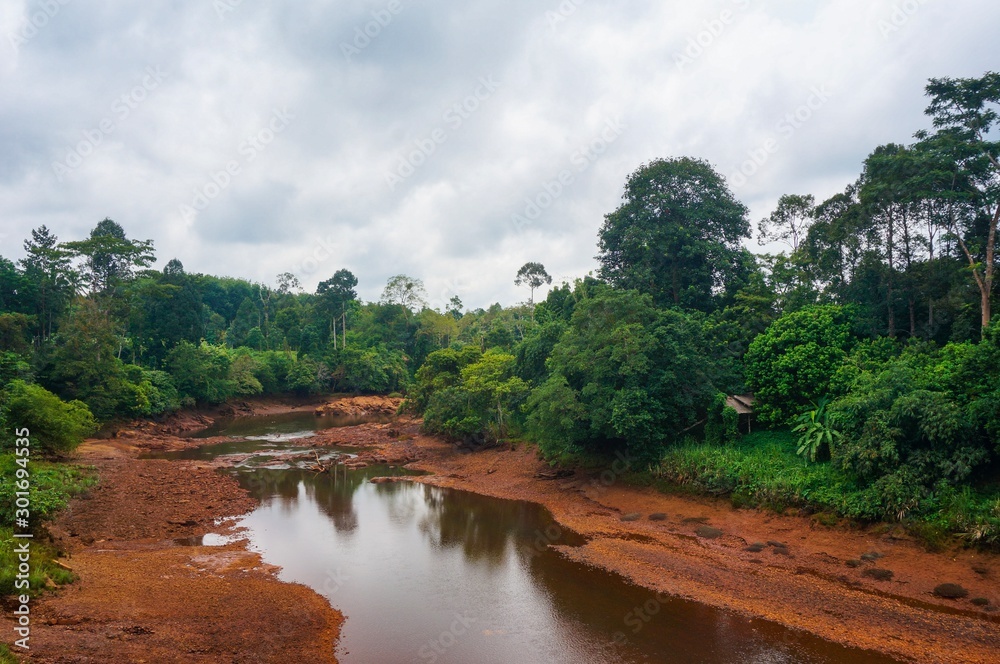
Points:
(333, 491)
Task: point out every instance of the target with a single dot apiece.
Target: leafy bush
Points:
(377, 369)
(442, 369)
(481, 406)
(794, 361)
(816, 437)
(201, 372)
(56, 427)
(907, 428)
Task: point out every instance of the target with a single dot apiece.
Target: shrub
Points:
(56, 427)
(794, 361)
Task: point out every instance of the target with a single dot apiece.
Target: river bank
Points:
(147, 590)
(798, 574)
(145, 594)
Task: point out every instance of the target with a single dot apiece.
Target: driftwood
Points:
(319, 466)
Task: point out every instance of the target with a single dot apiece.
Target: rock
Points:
(756, 547)
(781, 551)
(776, 543)
(980, 601)
(871, 556)
(708, 532)
(980, 569)
(853, 563)
(632, 516)
(878, 574)
(694, 519)
(951, 591)
(658, 516)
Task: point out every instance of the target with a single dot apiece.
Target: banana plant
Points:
(814, 427)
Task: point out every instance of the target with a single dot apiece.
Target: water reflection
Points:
(430, 574)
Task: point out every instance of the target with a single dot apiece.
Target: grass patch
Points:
(6, 656)
(51, 487)
(42, 570)
(763, 470)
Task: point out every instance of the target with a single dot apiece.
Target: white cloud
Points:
(319, 186)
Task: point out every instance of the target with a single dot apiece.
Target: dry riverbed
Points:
(142, 596)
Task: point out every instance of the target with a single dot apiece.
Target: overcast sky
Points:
(450, 141)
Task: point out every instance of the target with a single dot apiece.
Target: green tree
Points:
(624, 375)
(532, 275)
(965, 111)
(677, 234)
(480, 407)
(793, 363)
(201, 373)
(47, 265)
(109, 257)
(789, 223)
(404, 291)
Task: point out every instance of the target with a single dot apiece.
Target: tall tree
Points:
(405, 291)
(109, 257)
(534, 276)
(965, 111)
(47, 266)
(333, 296)
(789, 222)
(677, 234)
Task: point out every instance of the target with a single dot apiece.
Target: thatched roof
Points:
(741, 403)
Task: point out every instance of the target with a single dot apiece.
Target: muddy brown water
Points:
(426, 574)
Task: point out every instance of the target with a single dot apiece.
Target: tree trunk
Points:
(987, 288)
(913, 316)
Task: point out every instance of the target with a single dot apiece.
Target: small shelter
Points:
(743, 405)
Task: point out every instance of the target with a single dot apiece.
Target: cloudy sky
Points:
(449, 141)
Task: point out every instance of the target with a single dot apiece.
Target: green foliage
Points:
(201, 372)
(762, 469)
(676, 235)
(442, 369)
(481, 405)
(51, 487)
(920, 422)
(374, 370)
(56, 427)
(305, 377)
(793, 362)
(816, 435)
(636, 375)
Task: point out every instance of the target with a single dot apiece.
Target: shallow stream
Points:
(434, 575)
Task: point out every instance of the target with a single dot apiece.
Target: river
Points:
(426, 574)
